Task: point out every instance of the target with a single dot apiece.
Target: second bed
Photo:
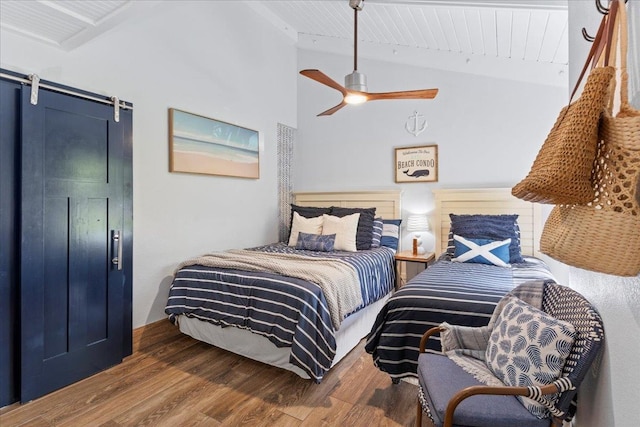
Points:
(461, 293)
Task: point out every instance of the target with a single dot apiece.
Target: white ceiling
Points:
(518, 39)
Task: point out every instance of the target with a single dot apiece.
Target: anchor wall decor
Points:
(418, 127)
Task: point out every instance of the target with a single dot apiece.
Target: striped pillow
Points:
(377, 232)
(390, 233)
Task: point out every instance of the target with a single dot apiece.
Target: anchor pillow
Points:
(483, 251)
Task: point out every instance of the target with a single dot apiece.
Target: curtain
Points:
(286, 139)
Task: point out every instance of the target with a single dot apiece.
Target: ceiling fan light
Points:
(355, 98)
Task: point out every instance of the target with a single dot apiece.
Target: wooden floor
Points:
(174, 380)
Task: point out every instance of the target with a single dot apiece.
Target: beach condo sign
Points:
(202, 145)
(417, 164)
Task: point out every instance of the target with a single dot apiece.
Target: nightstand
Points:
(407, 256)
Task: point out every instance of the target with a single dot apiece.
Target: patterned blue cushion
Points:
(377, 232)
(483, 251)
(528, 347)
(390, 233)
(316, 242)
(492, 227)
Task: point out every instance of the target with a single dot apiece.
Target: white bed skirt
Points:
(257, 347)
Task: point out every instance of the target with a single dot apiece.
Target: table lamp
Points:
(417, 223)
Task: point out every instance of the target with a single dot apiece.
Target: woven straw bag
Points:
(604, 235)
(561, 172)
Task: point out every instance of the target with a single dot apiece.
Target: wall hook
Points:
(602, 9)
(586, 36)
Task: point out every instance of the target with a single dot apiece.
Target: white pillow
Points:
(304, 225)
(344, 228)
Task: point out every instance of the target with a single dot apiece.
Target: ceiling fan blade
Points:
(407, 94)
(332, 110)
(321, 77)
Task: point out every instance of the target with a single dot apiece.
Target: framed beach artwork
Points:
(417, 164)
(202, 145)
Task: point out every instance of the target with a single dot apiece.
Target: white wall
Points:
(216, 59)
(488, 130)
(611, 394)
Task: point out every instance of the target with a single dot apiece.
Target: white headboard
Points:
(387, 203)
(487, 201)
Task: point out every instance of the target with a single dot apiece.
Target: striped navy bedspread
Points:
(452, 292)
(290, 312)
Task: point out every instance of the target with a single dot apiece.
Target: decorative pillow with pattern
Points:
(304, 225)
(390, 233)
(528, 347)
(316, 242)
(492, 227)
(482, 251)
(345, 230)
(377, 233)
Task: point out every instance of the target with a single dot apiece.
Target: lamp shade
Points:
(418, 222)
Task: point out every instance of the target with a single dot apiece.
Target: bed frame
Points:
(487, 201)
(352, 329)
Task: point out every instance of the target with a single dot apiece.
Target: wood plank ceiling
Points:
(531, 31)
(522, 39)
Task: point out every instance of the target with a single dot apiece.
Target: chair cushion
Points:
(440, 378)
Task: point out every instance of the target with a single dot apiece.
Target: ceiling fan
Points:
(354, 90)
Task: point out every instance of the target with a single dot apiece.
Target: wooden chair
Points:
(451, 396)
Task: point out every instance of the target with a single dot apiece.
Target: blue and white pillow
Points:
(316, 242)
(493, 227)
(482, 251)
(528, 347)
(377, 232)
(390, 233)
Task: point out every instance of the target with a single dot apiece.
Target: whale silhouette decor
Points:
(416, 164)
(417, 173)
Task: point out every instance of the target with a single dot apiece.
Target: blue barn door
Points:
(72, 293)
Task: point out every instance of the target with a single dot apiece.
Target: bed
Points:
(461, 293)
(259, 304)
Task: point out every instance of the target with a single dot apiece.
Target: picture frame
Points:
(202, 145)
(416, 164)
